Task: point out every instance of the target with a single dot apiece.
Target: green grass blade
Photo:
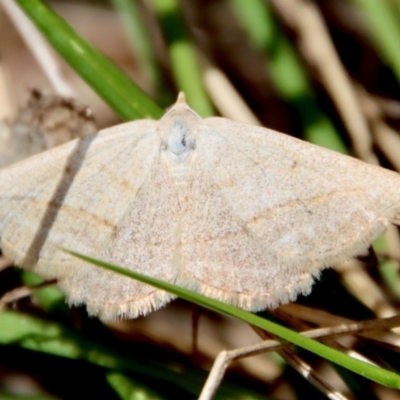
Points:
(369, 371)
(128, 389)
(137, 34)
(183, 57)
(384, 27)
(49, 297)
(14, 396)
(289, 77)
(127, 99)
(34, 334)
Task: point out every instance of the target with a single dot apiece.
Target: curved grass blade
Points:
(369, 371)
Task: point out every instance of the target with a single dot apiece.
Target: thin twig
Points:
(320, 51)
(224, 95)
(21, 292)
(226, 357)
(4, 263)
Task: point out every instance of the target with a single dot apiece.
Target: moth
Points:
(239, 213)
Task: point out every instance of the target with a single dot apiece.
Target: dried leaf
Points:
(45, 122)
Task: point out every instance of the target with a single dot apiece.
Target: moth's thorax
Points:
(179, 130)
(179, 141)
(180, 127)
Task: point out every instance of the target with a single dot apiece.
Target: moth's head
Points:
(181, 110)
